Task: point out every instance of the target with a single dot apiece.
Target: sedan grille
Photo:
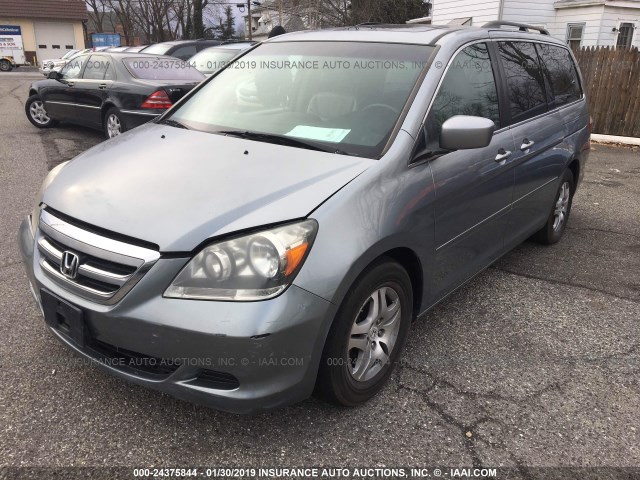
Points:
(92, 266)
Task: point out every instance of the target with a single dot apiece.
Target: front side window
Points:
(341, 97)
(468, 88)
(73, 68)
(561, 74)
(625, 35)
(525, 83)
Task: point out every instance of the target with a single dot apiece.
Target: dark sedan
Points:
(182, 49)
(113, 92)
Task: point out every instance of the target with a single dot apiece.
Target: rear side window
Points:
(561, 74)
(468, 88)
(525, 83)
(162, 69)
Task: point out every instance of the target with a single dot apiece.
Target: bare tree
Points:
(98, 9)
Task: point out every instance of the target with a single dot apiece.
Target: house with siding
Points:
(613, 23)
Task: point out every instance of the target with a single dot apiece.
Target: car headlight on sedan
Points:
(253, 267)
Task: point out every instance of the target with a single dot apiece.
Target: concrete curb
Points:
(595, 137)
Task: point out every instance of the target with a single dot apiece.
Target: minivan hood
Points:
(176, 188)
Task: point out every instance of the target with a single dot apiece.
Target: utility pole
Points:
(250, 21)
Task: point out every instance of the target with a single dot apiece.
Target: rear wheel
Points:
(113, 123)
(559, 216)
(5, 66)
(37, 113)
(367, 335)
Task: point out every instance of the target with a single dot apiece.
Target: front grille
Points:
(105, 268)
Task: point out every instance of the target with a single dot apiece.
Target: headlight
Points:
(253, 267)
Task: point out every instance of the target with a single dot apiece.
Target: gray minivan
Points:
(279, 228)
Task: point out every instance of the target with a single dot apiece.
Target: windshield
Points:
(166, 68)
(345, 96)
(70, 53)
(213, 59)
(157, 49)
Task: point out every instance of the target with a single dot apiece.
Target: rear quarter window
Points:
(561, 74)
(162, 69)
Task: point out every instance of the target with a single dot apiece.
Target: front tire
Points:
(37, 113)
(113, 123)
(559, 216)
(367, 336)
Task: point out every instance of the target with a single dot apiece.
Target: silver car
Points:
(243, 254)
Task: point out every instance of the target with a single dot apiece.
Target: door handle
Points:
(71, 84)
(502, 155)
(102, 86)
(526, 144)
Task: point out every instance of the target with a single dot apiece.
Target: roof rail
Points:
(523, 27)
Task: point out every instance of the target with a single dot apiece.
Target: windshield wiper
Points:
(280, 140)
(173, 123)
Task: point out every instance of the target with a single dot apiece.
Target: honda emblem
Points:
(69, 264)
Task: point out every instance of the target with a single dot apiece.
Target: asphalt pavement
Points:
(534, 363)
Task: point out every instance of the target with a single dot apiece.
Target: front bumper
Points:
(272, 347)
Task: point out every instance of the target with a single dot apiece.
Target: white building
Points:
(579, 22)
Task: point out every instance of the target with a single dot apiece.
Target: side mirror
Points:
(464, 132)
(54, 75)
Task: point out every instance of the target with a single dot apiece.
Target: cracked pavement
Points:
(534, 363)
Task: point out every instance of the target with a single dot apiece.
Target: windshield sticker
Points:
(333, 135)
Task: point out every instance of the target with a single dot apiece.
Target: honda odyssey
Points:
(277, 230)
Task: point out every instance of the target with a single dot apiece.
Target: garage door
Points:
(53, 39)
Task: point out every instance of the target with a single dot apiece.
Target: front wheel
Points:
(559, 216)
(37, 113)
(113, 123)
(367, 335)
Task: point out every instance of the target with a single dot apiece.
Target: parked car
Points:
(242, 256)
(117, 49)
(212, 59)
(57, 63)
(136, 48)
(114, 92)
(182, 49)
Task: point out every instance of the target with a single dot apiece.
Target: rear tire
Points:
(37, 113)
(5, 66)
(365, 341)
(113, 123)
(559, 216)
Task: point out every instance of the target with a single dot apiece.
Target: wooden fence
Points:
(612, 82)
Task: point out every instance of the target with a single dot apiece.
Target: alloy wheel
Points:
(114, 128)
(374, 333)
(39, 113)
(562, 206)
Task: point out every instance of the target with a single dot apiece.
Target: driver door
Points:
(60, 98)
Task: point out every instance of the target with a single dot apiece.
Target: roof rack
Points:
(523, 27)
